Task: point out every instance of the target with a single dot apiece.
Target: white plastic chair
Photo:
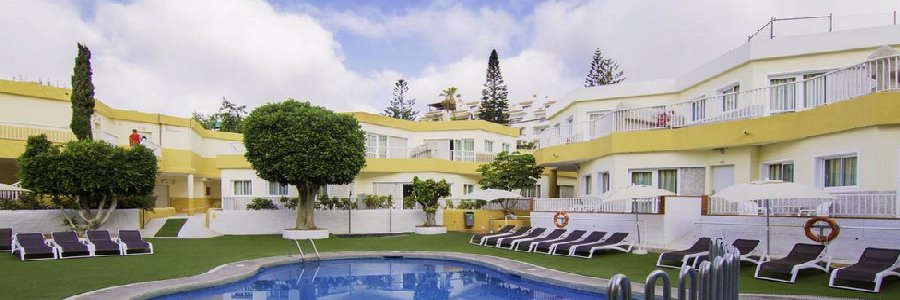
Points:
(823, 209)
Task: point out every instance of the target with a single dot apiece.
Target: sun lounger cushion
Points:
(492, 240)
(555, 234)
(574, 235)
(133, 241)
(506, 243)
(34, 245)
(477, 237)
(701, 245)
(613, 239)
(103, 243)
(69, 243)
(802, 253)
(5, 239)
(593, 237)
(872, 261)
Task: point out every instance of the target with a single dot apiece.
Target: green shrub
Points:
(448, 204)
(409, 202)
(261, 204)
(375, 201)
(26, 201)
(469, 204)
(289, 203)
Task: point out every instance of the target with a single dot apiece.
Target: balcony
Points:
(425, 152)
(872, 76)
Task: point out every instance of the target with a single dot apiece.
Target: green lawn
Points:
(183, 257)
(171, 228)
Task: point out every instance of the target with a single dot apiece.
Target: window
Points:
(277, 189)
(698, 108)
(780, 171)
(489, 146)
(784, 94)
(243, 188)
(587, 184)
(376, 145)
(642, 178)
(468, 188)
(814, 90)
(668, 180)
(730, 97)
(505, 147)
(534, 192)
(602, 182)
(840, 171)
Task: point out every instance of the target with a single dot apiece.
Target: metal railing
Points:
(879, 205)
(21, 132)
(768, 30)
(598, 205)
(241, 202)
(872, 76)
(717, 278)
(106, 137)
(426, 152)
(512, 204)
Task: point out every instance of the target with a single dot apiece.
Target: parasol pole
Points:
(768, 233)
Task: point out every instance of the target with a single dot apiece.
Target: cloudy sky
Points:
(181, 56)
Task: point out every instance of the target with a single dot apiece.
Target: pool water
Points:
(390, 278)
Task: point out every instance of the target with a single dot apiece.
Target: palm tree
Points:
(451, 94)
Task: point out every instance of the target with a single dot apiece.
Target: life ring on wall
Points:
(832, 224)
(561, 219)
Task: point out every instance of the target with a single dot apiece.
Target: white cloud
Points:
(183, 56)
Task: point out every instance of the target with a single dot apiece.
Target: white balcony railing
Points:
(597, 205)
(878, 205)
(425, 152)
(872, 76)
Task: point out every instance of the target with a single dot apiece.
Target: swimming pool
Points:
(387, 278)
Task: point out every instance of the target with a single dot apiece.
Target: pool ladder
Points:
(719, 278)
(300, 249)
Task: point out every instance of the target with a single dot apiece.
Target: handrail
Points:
(619, 285)
(650, 285)
(870, 76)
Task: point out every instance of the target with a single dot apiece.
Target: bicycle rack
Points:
(617, 283)
(687, 292)
(300, 249)
(650, 285)
(716, 279)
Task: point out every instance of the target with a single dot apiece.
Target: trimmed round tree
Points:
(427, 193)
(306, 146)
(510, 171)
(91, 177)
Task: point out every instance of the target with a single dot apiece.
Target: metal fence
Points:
(877, 205)
(426, 152)
(598, 205)
(872, 76)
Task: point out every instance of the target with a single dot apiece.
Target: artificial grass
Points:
(171, 228)
(56, 279)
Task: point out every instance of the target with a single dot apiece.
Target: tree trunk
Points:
(429, 219)
(306, 207)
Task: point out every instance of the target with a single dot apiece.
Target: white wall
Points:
(336, 221)
(46, 221)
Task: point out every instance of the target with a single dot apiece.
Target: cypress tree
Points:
(82, 95)
(603, 71)
(493, 96)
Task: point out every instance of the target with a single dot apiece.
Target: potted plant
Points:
(426, 193)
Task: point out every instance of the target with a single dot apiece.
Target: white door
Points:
(161, 192)
(722, 177)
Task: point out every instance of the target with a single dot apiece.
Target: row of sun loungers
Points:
(67, 244)
(873, 266)
(556, 242)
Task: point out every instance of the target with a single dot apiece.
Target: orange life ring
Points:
(833, 225)
(561, 219)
